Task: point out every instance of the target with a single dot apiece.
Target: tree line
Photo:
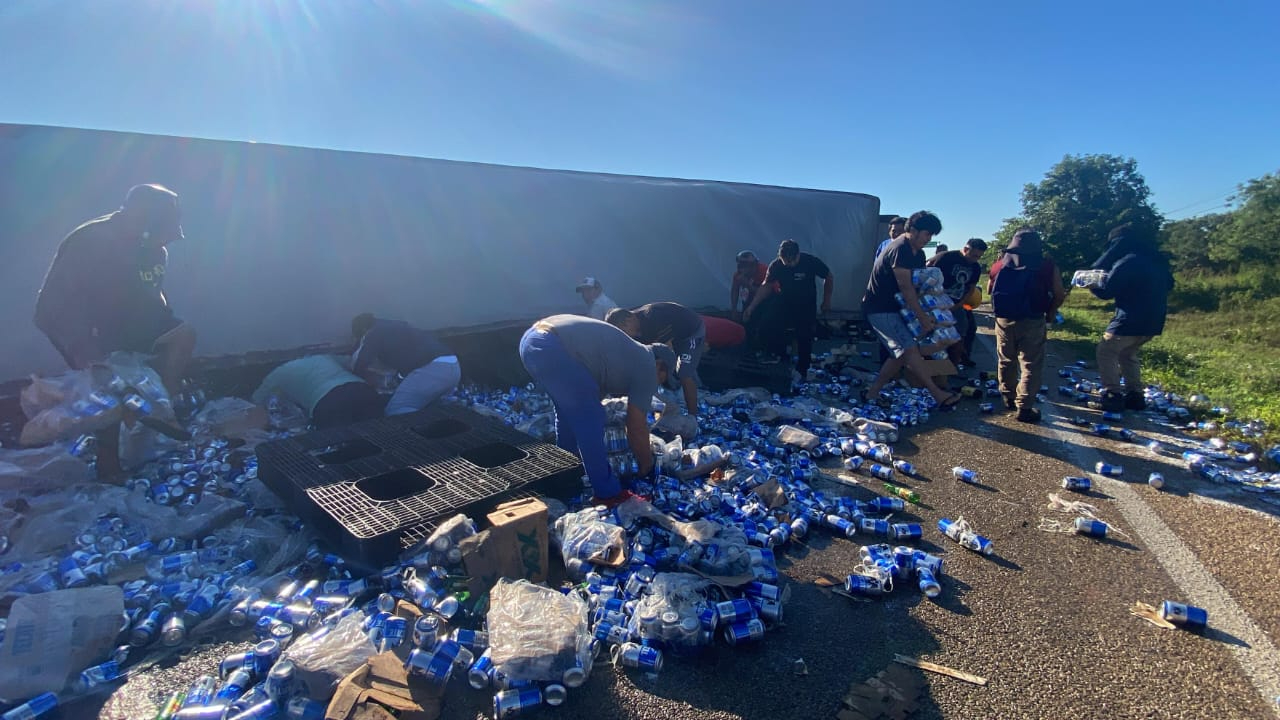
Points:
(1082, 197)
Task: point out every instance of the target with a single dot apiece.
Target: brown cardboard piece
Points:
(381, 689)
(520, 529)
(771, 493)
(482, 560)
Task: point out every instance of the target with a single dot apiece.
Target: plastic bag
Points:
(229, 417)
(673, 423)
(673, 610)
(44, 468)
(536, 633)
(584, 536)
(799, 437)
(669, 455)
(441, 547)
(88, 400)
(322, 659)
(44, 393)
(881, 432)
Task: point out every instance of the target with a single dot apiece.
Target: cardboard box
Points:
(520, 531)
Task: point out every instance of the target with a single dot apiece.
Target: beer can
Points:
(744, 632)
(513, 703)
(1077, 484)
(1188, 616)
(1090, 527)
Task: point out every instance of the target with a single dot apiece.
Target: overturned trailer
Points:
(285, 244)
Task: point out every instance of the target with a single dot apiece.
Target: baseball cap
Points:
(588, 282)
(668, 358)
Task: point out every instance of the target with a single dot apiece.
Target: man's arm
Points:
(1113, 280)
(828, 285)
(903, 276)
(366, 354)
(766, 289)
(690, 387)
(638, 438)
(1059, 293)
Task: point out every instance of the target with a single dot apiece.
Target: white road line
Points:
(1259, 659)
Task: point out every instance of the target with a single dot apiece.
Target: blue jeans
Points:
(579, 415)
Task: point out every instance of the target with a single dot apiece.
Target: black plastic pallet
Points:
(374, 486)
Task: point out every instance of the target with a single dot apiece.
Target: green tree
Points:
(1252, 237)
(1079, 201)
(1191, 243)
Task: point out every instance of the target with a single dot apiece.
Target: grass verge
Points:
(1231, 355)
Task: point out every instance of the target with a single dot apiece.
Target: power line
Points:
(1220, 196)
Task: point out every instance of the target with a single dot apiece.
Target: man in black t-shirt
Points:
(104, 292)
(429, 369)
(892, 275)
(960, 274)
(669, 323)
(793, 274)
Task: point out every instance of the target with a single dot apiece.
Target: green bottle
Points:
(910, 496)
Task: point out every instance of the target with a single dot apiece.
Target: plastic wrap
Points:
(799, 437)
(668, 455)
(927, 280)
(536, 633)
(321, 659)
(585, 537)
(87, 400)
(673, 612)
(1088, 278)
(943, 318)
(441, 547)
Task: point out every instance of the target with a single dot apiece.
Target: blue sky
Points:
(940, 105)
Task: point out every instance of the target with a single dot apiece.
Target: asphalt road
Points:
(1046, 619)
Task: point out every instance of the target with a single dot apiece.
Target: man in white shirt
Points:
(598, 304)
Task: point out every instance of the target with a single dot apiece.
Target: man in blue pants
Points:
(578, 361)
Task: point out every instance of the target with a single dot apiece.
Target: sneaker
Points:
(770, 360)
(1029, 415)
(1112, 402)
(1135, 401)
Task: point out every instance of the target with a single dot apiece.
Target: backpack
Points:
(1020, 293)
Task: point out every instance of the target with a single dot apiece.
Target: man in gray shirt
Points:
(578, 361)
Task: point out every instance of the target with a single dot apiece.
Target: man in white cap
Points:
(598, 304)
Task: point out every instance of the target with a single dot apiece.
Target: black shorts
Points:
(346, 404)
